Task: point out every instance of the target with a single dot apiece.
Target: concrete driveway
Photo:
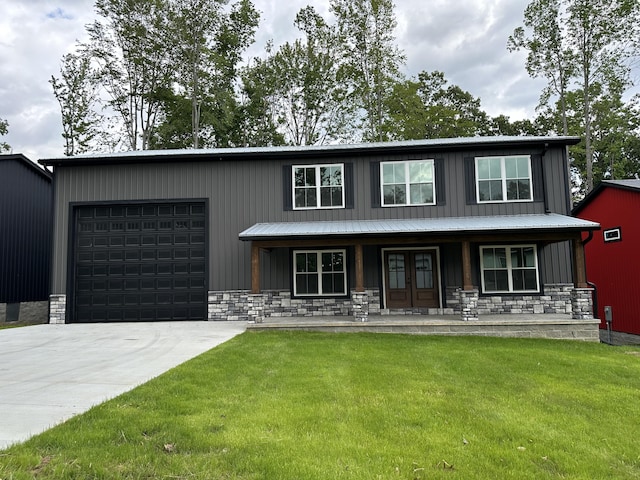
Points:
(49, 373)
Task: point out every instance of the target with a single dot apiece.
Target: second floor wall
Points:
(325, 186)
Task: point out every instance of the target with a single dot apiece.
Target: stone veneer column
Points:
(582, 303)
(57, 308)
(469, 304)
(360, 306)
(255, 307)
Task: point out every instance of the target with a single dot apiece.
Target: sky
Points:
(465, 39)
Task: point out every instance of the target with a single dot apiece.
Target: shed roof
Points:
(451, 225)
(632, 185)
(311, 151)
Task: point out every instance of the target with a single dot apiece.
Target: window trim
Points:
(317, 168)
(319, 252)
(407, 183)
(503, 179)
(509, 269)
(612, 235)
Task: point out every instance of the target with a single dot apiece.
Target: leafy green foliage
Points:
(372, 61)
(209, 43)
(76, 92)
(581, 47)
(128, 44)
(429, 108)
(4, 129)
(301, 84)
(615, 127)
(303, 405)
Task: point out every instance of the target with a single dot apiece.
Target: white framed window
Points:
(612, 235)
(506, 269)
(318, 186)
(319, 272)
(504, 179)
(407, 183)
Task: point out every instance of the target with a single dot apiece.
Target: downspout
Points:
(544, 180)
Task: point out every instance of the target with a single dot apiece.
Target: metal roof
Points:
(20, 158)
(632, 184)
(450, 225)
(145, 156)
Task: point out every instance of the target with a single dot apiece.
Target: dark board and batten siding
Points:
(25, 230)
(244, 192)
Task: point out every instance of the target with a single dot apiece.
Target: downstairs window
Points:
(319, 272)
(509, 269)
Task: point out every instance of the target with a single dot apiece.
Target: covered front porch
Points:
(459, 300)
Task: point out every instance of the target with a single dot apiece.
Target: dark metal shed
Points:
(25, 234)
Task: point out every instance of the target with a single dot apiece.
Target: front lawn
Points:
(282, 405)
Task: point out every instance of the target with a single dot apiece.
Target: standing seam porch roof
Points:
(448, 225)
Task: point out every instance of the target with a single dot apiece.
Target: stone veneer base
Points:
(558, 299)
(558, 328)
(29, 312)
(57, 308)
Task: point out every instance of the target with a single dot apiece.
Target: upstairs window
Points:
(509, 269)
(503, 179)
(318, 186)
(407, 183)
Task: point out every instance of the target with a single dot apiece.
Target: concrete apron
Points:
(49, 373)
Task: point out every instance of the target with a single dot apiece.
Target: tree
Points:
(372, 61)
(4, 129)
(209, 44)
(130, 47)
(547, 53)
(578, 43)
(256, 119)
(430, 108)
(615, 128)
(502, 125)
(307, 99)
(76, 92)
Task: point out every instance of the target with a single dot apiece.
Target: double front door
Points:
(411, 278)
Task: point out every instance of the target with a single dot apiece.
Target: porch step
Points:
(520, 326)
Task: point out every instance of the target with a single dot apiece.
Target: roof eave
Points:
(493, 233)
(456, 144)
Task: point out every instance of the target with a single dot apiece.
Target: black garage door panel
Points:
(140, 263)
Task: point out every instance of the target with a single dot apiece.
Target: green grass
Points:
(282, 405)
(4, 326)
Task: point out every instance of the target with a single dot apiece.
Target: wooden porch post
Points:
(359, 268)
(467, 284)
(579, 269)
(255, 268)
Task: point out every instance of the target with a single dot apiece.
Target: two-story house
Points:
(467, 227)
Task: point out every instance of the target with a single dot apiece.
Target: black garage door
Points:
(139, 263)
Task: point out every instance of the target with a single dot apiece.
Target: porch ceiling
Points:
(534, 223)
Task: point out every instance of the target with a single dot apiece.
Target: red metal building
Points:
(612, 255)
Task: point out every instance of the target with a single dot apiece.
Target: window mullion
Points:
(318, 187)
(319, 272)
(407, 186)
(503, 178)
(509, 269)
